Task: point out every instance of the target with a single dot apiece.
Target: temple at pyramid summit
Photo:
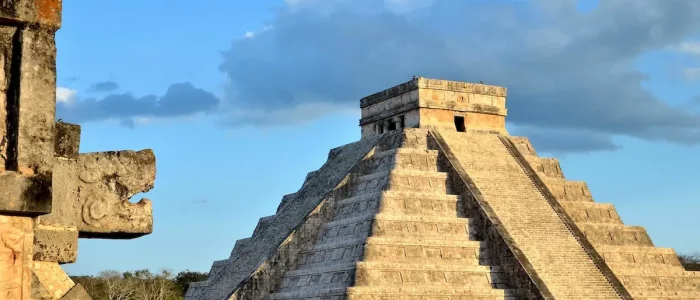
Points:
(438, 201)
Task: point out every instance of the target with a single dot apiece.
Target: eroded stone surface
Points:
(49, 281)
(76, 293)
(67, 140)
(15, 257)
(50, 194)
(107, 181)
(25, 194)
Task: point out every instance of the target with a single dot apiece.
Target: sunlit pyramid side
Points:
(437, 201)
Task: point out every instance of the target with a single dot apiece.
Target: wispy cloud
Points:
(181, 99)
(104, 86)
(65, 96)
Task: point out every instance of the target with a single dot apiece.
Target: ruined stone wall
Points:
(50, 194)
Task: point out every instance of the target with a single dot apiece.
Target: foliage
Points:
(139, 284)
(691, 262)
(184, 278)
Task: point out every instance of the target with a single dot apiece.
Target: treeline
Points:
(165, 285)
(691, 262)
(139, 285)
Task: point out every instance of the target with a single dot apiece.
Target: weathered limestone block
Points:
(25, 194)
(76, 293)
(37, 96)
(55, 244)
(67, 140)
(107, 181)
(49, 193)
(65, 195)
(42, 12)
(49, 281)
(15, 257)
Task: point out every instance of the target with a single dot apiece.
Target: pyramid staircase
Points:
(400, 234)
(646, 271)
(419, 209)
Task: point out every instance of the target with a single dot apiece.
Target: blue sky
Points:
(240, 99)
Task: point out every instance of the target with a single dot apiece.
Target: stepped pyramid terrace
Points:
(438, 201)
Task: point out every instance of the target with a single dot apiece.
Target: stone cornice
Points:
(433, 84)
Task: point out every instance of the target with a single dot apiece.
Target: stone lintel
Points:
(27, 195)
(67, 140)
(434, 84)
(42, 12)
(106, 181)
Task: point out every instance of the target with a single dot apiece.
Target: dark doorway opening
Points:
(459, 124)
(392, 125)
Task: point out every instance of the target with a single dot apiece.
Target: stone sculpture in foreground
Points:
(438, 201)
(50, 194)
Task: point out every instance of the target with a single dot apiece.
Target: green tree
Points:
(184, 278)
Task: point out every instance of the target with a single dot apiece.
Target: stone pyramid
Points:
(437, 201)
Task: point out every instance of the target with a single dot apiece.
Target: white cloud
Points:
(690, 47)
(251, 34)
(65, 95)
(564, 69)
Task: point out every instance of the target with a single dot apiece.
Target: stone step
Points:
(545, 167)
(399, 202)
(591, 212)
(398, 274)
(423, 227)
(383, 293)
(394, 225)
(654, 293)
(360, 204)
(659, 283)
(462, 252)
(615, 234)
(403, 180)
(239, 245)
(427, 292)
(323, 277)
(370, 183)
(427, 204)
(325, 294)
(350, 228)
(403, 158)
(381, 273)
(419, 181)
(568, 190)
(262, 224)
(638, 254)
(416, 138)
(340, 252)
(647, 269)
